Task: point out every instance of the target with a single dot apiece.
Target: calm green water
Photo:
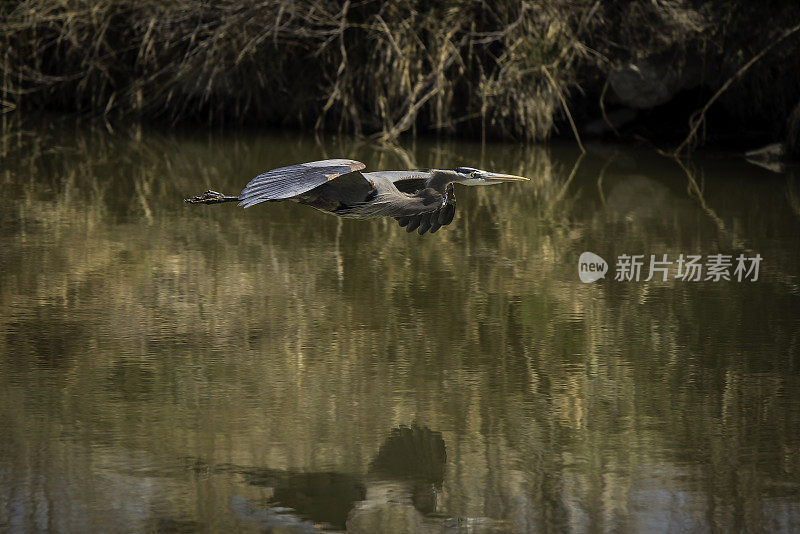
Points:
(166, 367)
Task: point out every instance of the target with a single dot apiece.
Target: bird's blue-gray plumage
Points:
(421, 200)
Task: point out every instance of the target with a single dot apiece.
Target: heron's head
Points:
(470, 176)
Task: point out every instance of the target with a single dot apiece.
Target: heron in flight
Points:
(420, 200)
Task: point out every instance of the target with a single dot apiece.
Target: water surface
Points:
(168, 367)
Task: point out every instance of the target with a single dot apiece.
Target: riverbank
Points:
(520, 71)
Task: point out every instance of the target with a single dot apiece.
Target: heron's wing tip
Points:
(287, 182)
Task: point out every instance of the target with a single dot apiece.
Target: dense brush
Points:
(371, 66)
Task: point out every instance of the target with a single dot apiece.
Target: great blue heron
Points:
(419, 200)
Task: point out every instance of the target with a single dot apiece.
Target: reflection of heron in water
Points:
(419, 200)
(411, 457)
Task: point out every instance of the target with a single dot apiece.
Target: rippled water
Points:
(168, 367)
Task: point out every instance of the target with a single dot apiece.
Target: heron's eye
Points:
(473, 174)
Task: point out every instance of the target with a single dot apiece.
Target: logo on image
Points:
(591, 267)
(686, 268)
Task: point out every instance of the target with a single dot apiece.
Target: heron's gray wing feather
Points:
(345, 189)
(393, 203)
(404, 181)
(415, 181)
(434, 220)
(288, 182)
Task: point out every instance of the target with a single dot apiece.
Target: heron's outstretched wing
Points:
(427, 209)
(413, 182)
(288, 182)
(433, 220)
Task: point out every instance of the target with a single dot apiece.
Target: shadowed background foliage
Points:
(509, 69)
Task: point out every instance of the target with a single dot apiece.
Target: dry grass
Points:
(362, 66)
(508, 69)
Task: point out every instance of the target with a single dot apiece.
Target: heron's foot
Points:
(209, 197)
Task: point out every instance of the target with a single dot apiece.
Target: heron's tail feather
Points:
(210, 197)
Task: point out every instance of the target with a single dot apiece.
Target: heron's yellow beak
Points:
(497, 177)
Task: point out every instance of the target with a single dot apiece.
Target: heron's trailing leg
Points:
(210, 197)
